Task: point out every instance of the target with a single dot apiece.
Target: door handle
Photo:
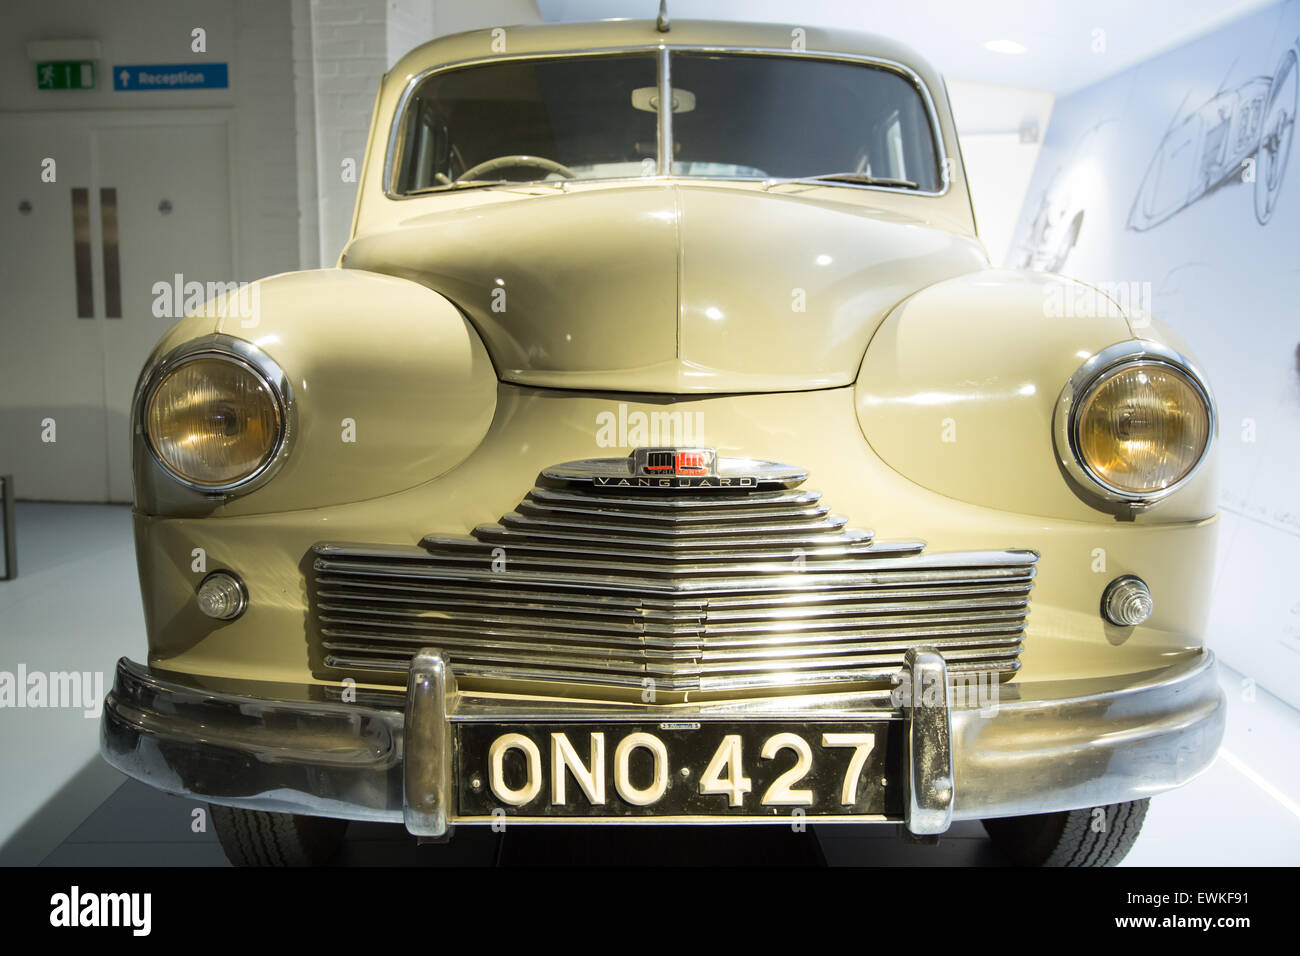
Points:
(112, 265)
(81, 251)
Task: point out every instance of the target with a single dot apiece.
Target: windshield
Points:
(746, 116)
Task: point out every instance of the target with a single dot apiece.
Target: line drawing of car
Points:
(1241, 135)
(1053, 233)
(1058, 219)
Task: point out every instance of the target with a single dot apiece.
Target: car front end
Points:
(675, 484)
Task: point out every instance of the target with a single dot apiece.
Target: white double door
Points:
(95, 210)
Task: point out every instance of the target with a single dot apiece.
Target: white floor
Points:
(75, 606)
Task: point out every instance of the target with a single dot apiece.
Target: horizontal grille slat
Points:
(753, 502)
(675, 533)
(736, 590)
(723, 545)
(681, 517)
(687, 578)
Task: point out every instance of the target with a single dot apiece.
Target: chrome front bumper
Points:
(1043, 747)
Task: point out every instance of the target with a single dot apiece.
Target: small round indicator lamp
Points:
(222, 595)
(1127, 601)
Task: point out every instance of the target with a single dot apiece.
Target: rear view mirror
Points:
(646, 98)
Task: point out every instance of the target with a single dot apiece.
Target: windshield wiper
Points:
(857, 179)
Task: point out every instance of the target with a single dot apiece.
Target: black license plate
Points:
(679, 769)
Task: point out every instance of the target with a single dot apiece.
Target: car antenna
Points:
(662, 23)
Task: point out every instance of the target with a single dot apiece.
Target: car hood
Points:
(672, 287)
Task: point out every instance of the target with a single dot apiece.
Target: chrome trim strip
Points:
(675, 503)
(1113, 358)
(799, 682)
(720, 543)
(467, 615)
(112, 263)
(239, 352)
(928, 778)
(81, 252)
(597, 473)
(685, 651)
(538, 511)
(756, 528)
(773, 606)
(665, 116)
(962, 568)
(579, 552)
(392, 149)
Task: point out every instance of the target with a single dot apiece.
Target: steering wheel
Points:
(507, 162)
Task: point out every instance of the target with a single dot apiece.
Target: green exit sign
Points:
(65, 75)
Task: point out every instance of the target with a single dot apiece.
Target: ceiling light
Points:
(1004, 46)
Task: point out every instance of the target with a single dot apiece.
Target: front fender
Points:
(391, 386)
(959, 386)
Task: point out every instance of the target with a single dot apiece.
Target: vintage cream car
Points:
(549, 503)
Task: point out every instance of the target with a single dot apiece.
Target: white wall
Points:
(1068, 44)
(349, 54)
(304, 95)
(344, 48)
(1001, 131)
(1152, 139)
(456, 16)
(251, 36)
(266, 162)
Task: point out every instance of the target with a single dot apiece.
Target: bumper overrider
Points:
(437, 758)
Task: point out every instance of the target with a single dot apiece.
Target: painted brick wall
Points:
(410, 23)
(349, 41)
(342, 49)
(266, 159)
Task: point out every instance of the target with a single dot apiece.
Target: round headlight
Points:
(1142, 428)
(213, 421)
(1138, 422)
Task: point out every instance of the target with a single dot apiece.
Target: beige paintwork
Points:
(394, 358)
(608, 292)
(620, 287)
(961, 382)
(817, 429)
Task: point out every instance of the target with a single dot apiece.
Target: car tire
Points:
(1072, 837)
(259, 838)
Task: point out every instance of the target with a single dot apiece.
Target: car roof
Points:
(508, 41)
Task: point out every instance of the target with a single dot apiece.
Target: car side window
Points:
(429, 150)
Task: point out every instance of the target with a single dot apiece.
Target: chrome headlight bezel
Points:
(1095, 489)
(246, 355)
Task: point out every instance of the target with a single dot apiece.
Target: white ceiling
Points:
(1058, 35)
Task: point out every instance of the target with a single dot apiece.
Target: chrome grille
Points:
(697, 591)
